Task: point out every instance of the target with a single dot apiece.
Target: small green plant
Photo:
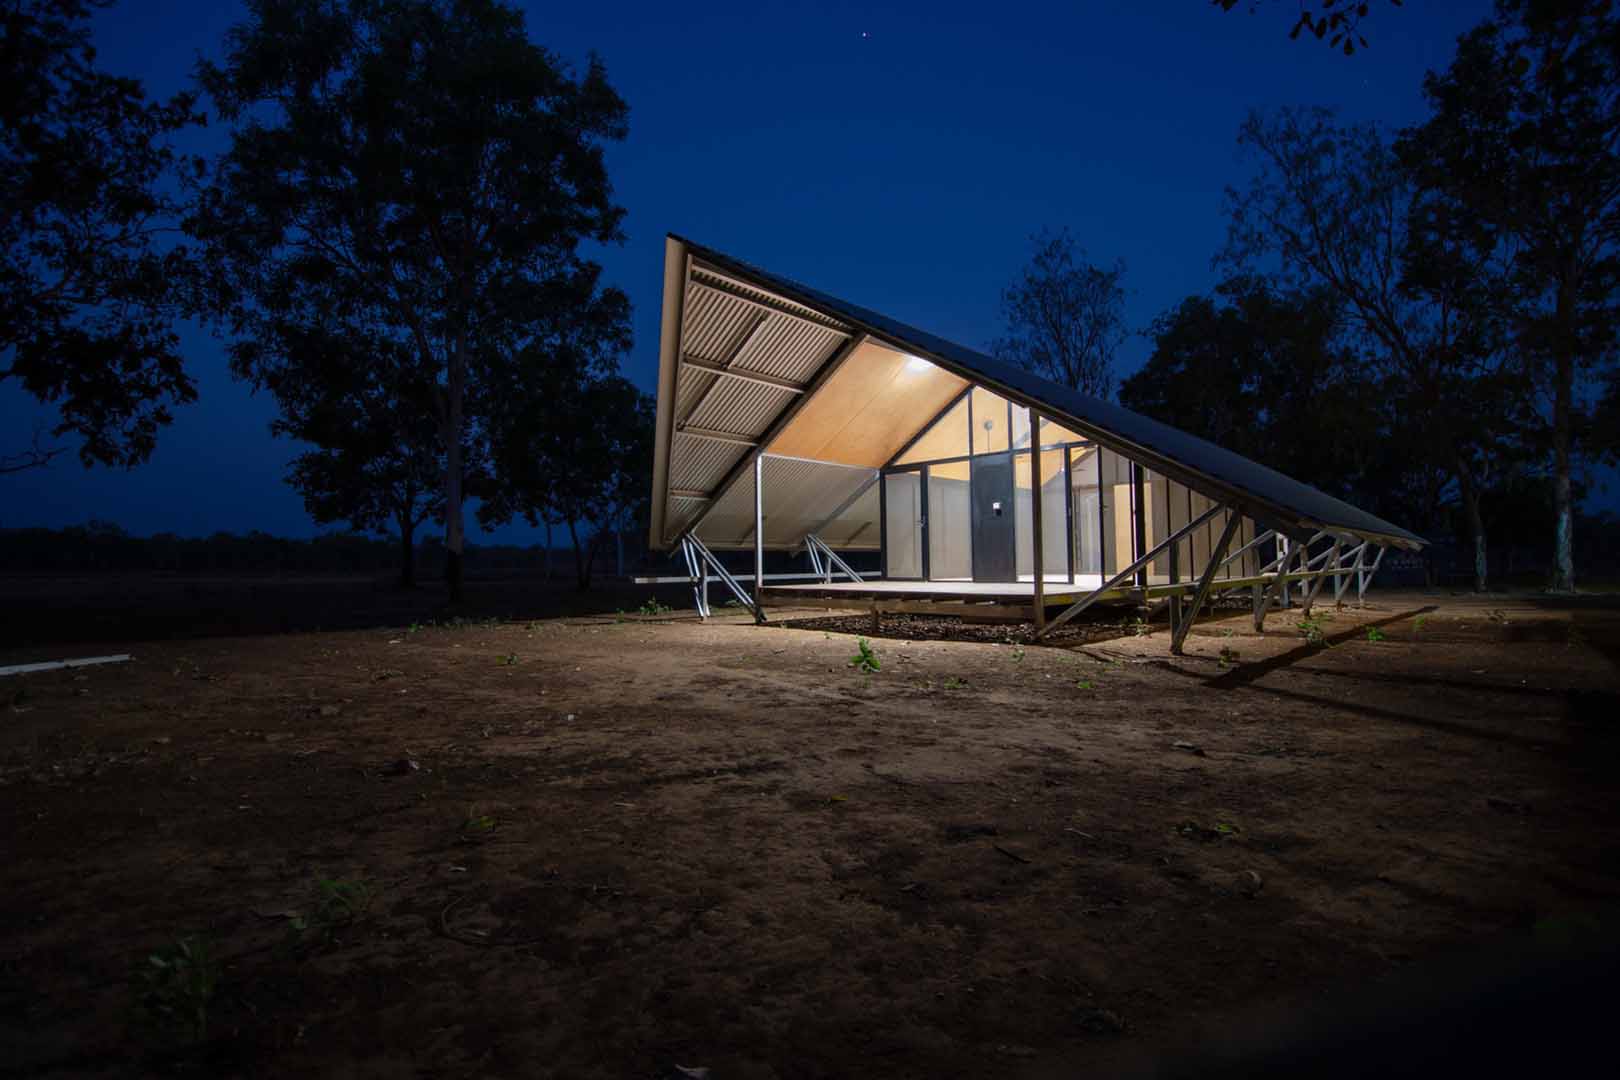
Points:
(1018, 654)
(865, 660)
(1375, 635)
(953, 683)
(1085, 684)
(1229, 656)
(510, 659)
(414, 628)
(478, 823)
(618, 615)
(1312, 629)
(336, 903)
(1139, 626)
(1224, 829)
(174, 987)
(654, 606)
(1417, 623)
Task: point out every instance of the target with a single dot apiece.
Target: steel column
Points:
(1216, 561)
(1126, 574)
(1035, 521)
(759, 532)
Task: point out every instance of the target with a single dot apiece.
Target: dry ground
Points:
(591, 847)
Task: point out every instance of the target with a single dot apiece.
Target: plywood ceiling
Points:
(876, 401)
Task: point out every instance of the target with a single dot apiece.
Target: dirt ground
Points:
(613, 845)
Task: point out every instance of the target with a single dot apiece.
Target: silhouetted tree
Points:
(88, 293)
(1336, 22)
(1065, 317)
(577, 451)
(420, 171)
(1524, 133)
(1267, 373)
(377, 462)
(1336, 207)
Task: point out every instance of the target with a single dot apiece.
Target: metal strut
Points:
(1090, 598)
(824, 559)
(699, 561)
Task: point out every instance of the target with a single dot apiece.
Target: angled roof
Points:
(1261, 492)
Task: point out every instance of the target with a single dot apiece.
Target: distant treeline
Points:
(103, 547)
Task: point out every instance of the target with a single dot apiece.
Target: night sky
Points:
(899, 158)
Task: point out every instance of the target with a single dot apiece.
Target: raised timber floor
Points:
(1013, 600)
(1009, 600)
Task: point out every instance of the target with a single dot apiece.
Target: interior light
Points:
(917, 363)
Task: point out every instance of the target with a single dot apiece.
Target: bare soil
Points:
(607, 845)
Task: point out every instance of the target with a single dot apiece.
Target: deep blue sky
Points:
(896, 156)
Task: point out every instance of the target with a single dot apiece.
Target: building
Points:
(791, 420)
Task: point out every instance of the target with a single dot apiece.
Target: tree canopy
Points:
(416, 171)
(90, 287)
(1065, 317)
(1524, 137)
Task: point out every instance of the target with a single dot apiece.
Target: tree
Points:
(577, 451)
(1065, 317)
(88, 291)
(1337, 22)
(376, 461)
(1266, 373)
(1334, 206)
(416, 171)
(1525, 134)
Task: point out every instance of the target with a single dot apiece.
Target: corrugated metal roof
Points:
(742, 407)
(799, 496)
(737, 325)
(789, 349)
(699, 464)
(1200, 464)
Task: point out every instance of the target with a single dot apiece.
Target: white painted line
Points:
(57, 665)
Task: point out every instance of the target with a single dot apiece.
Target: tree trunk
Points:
(1476, 524)
(407, 553)
(582, 568)
(1563, 578)
(454, 529)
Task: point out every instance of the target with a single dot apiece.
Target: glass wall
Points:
(1054, 515)
(1087, 505)
(902, 524)
(1098, 509)
(950, 522)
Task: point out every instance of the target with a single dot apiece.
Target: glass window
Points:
(948, 437)
(1020, 427)
(1054, 516)
(990, 419)
(1087, 512)
(1056, 435)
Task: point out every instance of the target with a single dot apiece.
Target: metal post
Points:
(1125, 575)
(1288, 551)
(759, 531)
(1263, 602)
(1035, 521)
(1139, 530)
(1175, 597)
(1341, 581)
(1217, 559)
(1365, 578)
(1316, 586)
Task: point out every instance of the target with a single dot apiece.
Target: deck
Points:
(1011, 601)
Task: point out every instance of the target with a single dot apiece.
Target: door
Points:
(904, 519)
(994, 553)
